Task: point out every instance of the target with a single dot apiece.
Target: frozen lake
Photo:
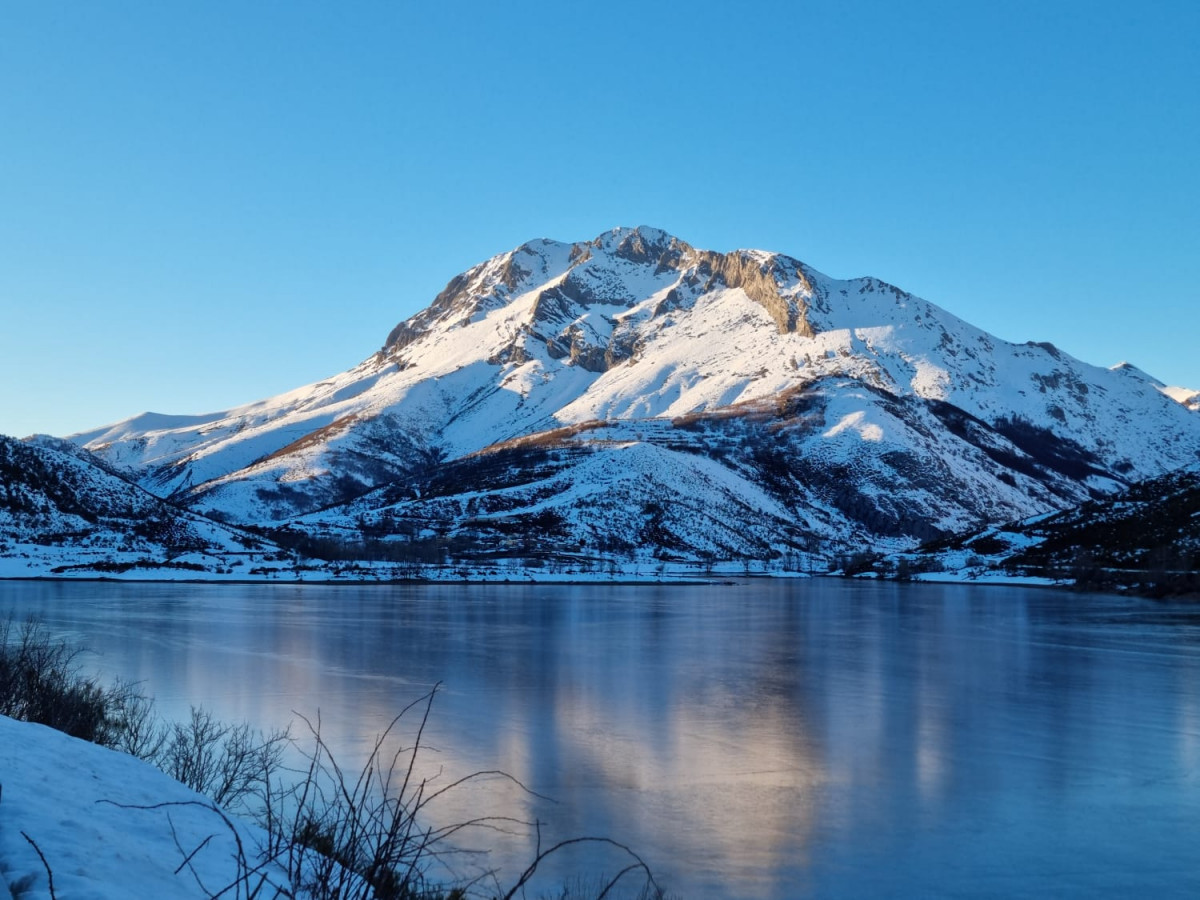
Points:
(761, 739)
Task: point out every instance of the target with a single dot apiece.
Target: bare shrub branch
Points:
(46, 865)
(230, 764)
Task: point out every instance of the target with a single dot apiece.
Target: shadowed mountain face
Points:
(634, 393)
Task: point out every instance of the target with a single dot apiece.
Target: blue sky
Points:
(205, 204)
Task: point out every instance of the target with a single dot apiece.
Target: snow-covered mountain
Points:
(633, 391)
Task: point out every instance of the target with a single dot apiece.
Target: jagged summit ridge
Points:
(597, 273)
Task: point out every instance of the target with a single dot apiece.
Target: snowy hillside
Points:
(62, 513)
(84, 809)
(683, 400)
(1185, 396)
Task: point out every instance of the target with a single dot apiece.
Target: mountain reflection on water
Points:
(759, 739)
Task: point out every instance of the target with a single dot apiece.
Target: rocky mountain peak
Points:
(618, 269)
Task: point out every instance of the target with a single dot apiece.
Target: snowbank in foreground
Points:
(64, 794)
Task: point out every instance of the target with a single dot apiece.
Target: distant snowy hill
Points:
(634, 394)
(1186, 396)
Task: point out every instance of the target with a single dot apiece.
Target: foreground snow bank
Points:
(73, 800)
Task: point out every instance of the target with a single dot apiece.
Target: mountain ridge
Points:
(830, 388)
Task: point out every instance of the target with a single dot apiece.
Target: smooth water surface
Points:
(760, 739)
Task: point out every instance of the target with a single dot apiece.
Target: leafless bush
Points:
(41, 681)
(343, 836)
(365, 836)
(230, 764)
(138, 730)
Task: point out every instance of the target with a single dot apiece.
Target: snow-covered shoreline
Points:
(984, 579)
(49, 567)
(108, 824)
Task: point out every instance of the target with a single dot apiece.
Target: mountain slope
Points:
(883, 416)
(1146, 538)
(61, 512)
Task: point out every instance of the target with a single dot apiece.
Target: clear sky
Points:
(203, 204)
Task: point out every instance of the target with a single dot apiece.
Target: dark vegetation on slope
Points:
(1028, 449)
(30, 484)
(1050, 450)
(1145, 540)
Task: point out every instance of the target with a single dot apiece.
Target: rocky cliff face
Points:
(575, 278)
(633, 391)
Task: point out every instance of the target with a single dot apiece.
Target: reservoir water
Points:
(762, 739)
